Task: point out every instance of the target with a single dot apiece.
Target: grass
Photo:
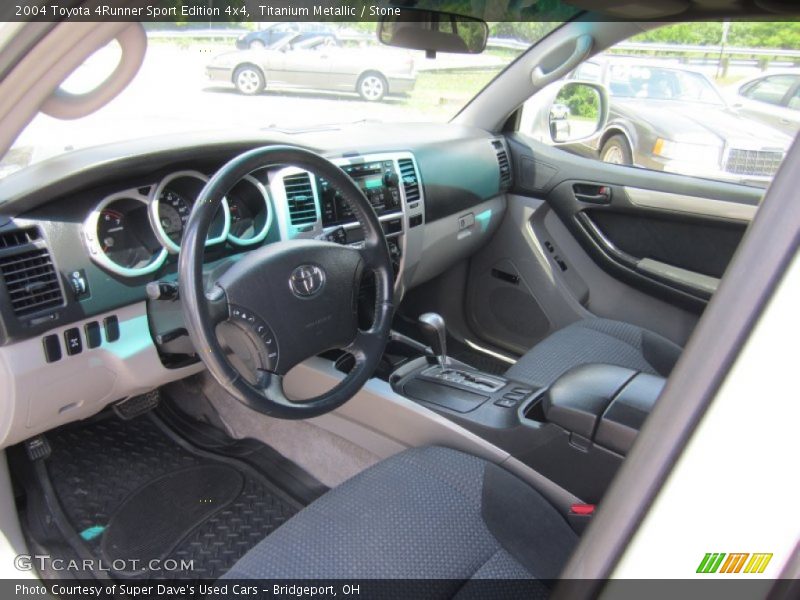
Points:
(443, 93)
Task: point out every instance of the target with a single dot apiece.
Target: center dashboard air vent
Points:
(410, 179)
(503, 163)
(300, 198)
(30, 278)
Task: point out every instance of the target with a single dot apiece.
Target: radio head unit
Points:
(378, 180)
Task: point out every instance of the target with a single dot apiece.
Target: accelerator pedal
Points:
(37, 448)
(132, 407)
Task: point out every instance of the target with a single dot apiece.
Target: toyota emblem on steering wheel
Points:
(306, 280)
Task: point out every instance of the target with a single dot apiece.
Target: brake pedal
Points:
(132, 407)
(37, 448)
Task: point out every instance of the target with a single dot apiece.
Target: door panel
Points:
(705, 248)
(668, 235)
(582, 238)
(555, 282)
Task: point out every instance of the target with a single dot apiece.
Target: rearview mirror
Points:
(578, 112)
(433, 31)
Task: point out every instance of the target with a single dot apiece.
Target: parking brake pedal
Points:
(132, 407)
(37, 448)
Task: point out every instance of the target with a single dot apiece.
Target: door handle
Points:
(594, 194)
(596, 198)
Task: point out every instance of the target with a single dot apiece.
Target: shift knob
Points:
(433, 328)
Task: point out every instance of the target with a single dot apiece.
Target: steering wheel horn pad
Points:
(310, 314)
(298, 298)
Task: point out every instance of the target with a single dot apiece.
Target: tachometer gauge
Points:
(241, 218)
(251, 213)
(119, 236)
(173, 214)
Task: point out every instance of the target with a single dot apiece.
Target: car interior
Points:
(373, 350)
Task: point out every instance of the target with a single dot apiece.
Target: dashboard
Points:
(82, 236)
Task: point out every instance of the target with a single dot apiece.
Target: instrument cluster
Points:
(131, 233)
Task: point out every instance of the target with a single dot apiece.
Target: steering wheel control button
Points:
(52, 348)
(93, 337)
(72, 340)
(111, 325)
(256, 326)
(306, 281)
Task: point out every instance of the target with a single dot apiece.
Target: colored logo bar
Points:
(720, 562)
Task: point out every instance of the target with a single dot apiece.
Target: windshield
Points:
(284, 76)
(657, 83)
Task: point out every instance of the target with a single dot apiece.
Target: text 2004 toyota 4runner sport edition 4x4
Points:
(470, 299)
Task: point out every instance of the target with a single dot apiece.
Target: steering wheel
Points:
(292, 299)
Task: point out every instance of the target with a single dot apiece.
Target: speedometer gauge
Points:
(173, 214)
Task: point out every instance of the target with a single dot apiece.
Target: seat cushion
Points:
(595, 341)
(421, 514)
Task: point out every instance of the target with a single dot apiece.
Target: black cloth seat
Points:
(426, 513)
(595, 341)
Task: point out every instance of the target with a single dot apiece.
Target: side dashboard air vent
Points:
(29, 275)
(410, 179)
(300, 198)
(503, 163)
(18, 237)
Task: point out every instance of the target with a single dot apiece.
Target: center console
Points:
(576, 431)
(309, 206)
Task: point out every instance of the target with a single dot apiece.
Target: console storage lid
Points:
(624, 417)
(602, 403)
(577, 399)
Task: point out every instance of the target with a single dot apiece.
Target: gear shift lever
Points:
(433, 328)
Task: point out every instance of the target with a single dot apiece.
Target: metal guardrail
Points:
(229, 34)
(516, 44)
(715, 50)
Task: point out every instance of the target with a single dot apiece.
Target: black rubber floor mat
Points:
(155, 518)
(95, 469)
(282, 472)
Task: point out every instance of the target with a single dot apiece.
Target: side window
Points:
(588, 71)
(771, 90)
(794, 101)
(673, 107)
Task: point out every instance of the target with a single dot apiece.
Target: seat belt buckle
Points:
(582, 509)
(580, 515)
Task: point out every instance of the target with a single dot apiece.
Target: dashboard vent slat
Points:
(300, 198)
(503, 163)
(31, 281)
(18, 237)
(410, 179)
